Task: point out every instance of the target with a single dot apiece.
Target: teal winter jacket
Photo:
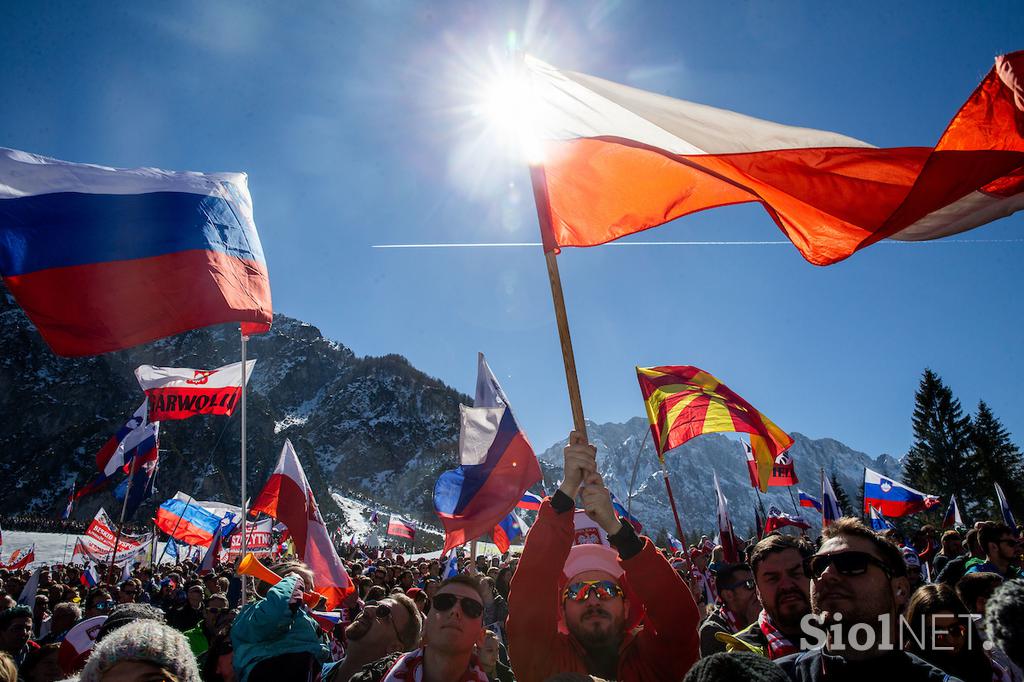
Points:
(269, 627)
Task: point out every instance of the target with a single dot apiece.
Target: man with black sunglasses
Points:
(378, 635)
(452, 630)
(622, 613)
(739, 606)
(858, 589)
(201, 635)
(98, 603)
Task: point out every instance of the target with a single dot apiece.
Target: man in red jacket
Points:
(621, 613)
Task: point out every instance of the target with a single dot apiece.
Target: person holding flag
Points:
(619, 613)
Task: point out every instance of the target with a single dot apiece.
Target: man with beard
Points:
(858, 588)
(783, 590)
(739, 607)
(621, 613)
(377, 637)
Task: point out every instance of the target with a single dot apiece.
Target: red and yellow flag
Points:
(684, 402)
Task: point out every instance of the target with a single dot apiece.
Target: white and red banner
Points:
(783, 470)
(726, 536)
(401, 528)
(258, 540)
(288, 498)
(180, 393)
(779, 519)
(21, 558)
(101, 529)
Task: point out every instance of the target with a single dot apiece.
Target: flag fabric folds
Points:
(185, 519)
(893, 498)
(684, 402)
(878, 520)
(830, 510)
(783, 472)
(618, 160)
(808, 501)
(140, 485)
(508, 532)
(21, 558)
(497, 466)
(103, 259)
(401, 528)
(1004, 509)
(624, 514)
(529, 501)
(118, 451)
(288, 498)
(780, 519)
(952, 517)
(180, 393)
(726, 536)
(71, 503)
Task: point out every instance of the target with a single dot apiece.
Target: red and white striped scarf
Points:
(778, 644)
(409, 668)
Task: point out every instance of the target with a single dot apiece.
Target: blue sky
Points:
(356, 125)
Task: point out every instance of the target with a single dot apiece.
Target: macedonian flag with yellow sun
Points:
(684, 402)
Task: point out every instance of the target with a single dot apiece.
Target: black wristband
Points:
(627, 542)
(562, 503)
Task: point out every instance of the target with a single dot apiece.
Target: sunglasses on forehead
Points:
(846, 563)
(604, 589)
(446, 602)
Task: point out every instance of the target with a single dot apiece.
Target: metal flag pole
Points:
(245, 514)
(632, 479)
(120, 525)
(796, 507)
(672, 501)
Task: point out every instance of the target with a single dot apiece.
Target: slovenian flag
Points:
(611, 160)
(103, 259)
(893, 498)
(809, 501)
(497, 466)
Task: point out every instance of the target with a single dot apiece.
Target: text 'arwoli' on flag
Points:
(106, 258)
(180, 393)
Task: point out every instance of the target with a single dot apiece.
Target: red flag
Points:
(400, 528)
(783, 470)
(180, 392)
(288, 498)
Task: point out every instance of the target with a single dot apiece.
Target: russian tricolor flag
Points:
(809, 501)
(89, 577)
(497, 466)
(103, 259)
(529, 501)
(893, 498)
(184, 519)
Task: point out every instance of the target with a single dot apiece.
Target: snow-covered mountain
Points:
(690, 472)
(371, 432)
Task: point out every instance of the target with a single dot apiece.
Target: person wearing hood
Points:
(621, 613)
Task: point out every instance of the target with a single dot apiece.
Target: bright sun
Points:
(508, 106)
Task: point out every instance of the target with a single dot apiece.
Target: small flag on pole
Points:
(808, 501)
(1004, 508)
(830, 511)
(892, 497)
(878, 520)
(401, 528)
(952, 518)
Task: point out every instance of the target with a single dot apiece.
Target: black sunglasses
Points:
(446, 602)
(748, 583)
(846, 563)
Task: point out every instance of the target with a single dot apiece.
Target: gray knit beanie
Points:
(122, 614)
(144, 640)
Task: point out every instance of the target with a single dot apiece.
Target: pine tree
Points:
(999, 461)
(842, 498)
(941, 462)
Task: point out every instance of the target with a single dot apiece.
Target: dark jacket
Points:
(662, 648)
(715, 623)
(817, 666)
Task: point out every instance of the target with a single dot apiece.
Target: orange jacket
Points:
(661, 648)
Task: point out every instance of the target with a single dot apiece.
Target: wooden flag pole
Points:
(540, 198)
(242, 482)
